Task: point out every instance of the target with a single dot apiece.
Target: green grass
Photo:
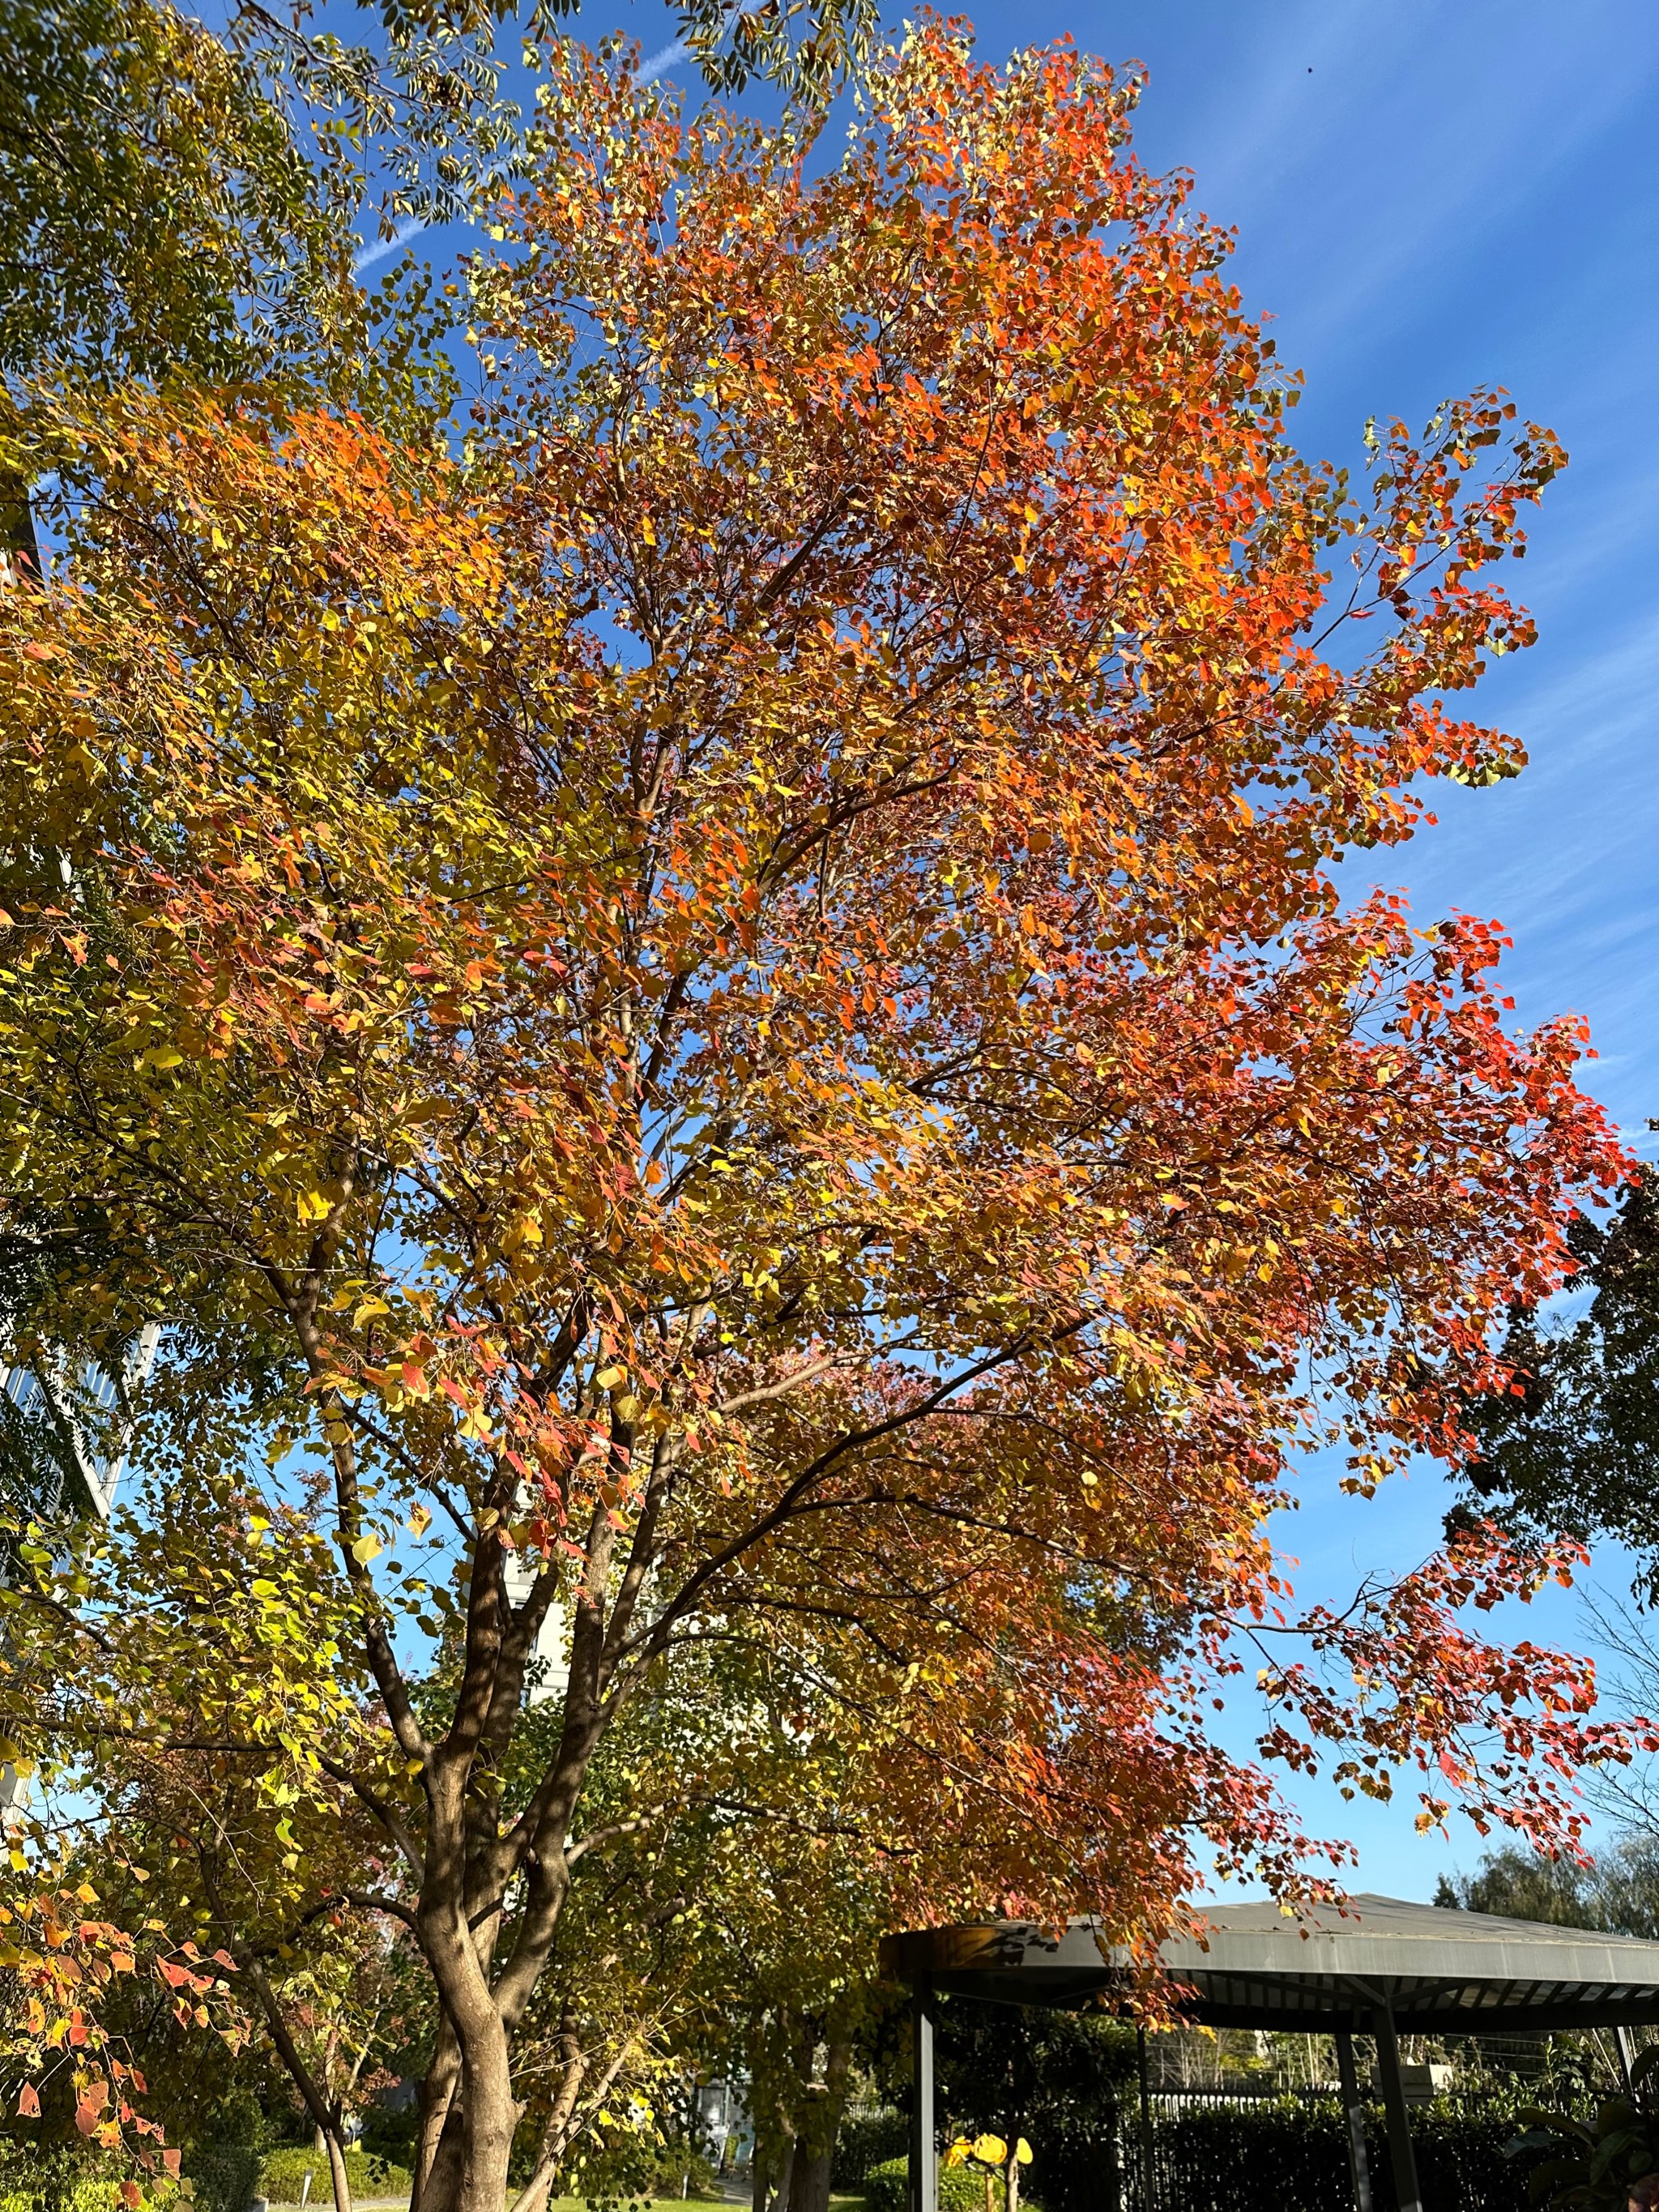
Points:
(322, 2196)
(561, 2204)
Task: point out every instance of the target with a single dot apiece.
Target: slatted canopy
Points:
(1439, 1971)
(1374, 1968)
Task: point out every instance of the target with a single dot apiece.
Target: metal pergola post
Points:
(924, 2148)
(1402, 2156)
(1353, 2111)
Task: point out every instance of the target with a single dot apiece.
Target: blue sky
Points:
(1432, 194)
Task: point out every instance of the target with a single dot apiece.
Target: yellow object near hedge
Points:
(987, 2151)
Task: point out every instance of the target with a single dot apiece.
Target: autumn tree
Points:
(734, 1923)
(721, 1019)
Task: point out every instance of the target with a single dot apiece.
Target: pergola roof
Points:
(1440, 1971)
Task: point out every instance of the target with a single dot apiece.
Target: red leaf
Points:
(28, 2102)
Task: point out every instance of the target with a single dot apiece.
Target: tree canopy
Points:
(721, 1016)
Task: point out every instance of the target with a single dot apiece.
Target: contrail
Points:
(407, 232)
(401, 237)
(660, 64)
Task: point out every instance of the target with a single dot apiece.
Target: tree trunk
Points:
(489, 2117)
(771, 2176)
(441, 2190)
(437, 2096)
(809, 2180)
(336, 2174)
(815, 2145)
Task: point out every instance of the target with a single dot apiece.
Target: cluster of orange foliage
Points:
(60, 1965)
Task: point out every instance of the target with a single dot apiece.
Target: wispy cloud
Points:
(1382, 173)
(405, 234)
(660, 64)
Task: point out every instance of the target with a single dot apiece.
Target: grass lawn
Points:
(571, 2203)
(325, 2202)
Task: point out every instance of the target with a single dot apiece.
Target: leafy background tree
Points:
(1617, 1891)
(1571, 1446)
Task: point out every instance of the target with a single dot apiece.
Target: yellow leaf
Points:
(419, 1520)
(366, 1548)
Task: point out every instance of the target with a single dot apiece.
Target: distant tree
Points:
(1573, 1446)
(1619, 1892)
(1519, 1885)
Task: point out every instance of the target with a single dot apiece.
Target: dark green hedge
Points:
(960, 2189)
(1277, 2160)
(1293, 2157)
(226, 2177)
(869, 2139)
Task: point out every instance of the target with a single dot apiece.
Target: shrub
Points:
(52, 2177)
(867, 2140)
(389, 2132)
(624, 2167)
(886, 2187)
(227, 2176)
(283, 2172)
